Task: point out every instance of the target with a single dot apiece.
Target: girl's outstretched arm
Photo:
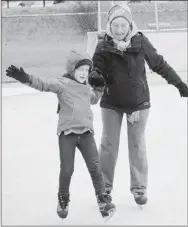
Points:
(40, 83)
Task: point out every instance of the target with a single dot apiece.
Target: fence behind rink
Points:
(59, 23)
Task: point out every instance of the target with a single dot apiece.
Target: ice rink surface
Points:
(30, 165)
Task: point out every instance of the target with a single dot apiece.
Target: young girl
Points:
(75, 125)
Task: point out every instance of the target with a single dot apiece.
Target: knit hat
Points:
(83, 62)
(120, 10)
(76, 59)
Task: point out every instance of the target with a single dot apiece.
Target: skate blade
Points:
(140, 207)
(111, 213)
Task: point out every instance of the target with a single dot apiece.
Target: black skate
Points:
(106, 208)
(63, 205)
(140, 198)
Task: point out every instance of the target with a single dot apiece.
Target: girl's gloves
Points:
(18, 74)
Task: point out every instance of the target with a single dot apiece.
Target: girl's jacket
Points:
(74, 98)
(126, 84)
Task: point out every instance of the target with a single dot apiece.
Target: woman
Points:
(119, 65)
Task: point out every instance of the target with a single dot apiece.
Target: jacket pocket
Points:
(137, 91)
(143, 83)
(125, 94)
(67, 109)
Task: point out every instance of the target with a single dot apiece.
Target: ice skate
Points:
(140, 198)
(106, 208)
(63, 205)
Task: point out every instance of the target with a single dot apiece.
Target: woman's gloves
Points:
(183, 89)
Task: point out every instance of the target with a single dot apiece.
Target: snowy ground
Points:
(30, 165)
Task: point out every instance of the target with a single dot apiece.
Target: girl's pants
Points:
(86, 144)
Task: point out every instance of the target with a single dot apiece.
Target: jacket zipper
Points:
(143, 83)
(120, 54)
